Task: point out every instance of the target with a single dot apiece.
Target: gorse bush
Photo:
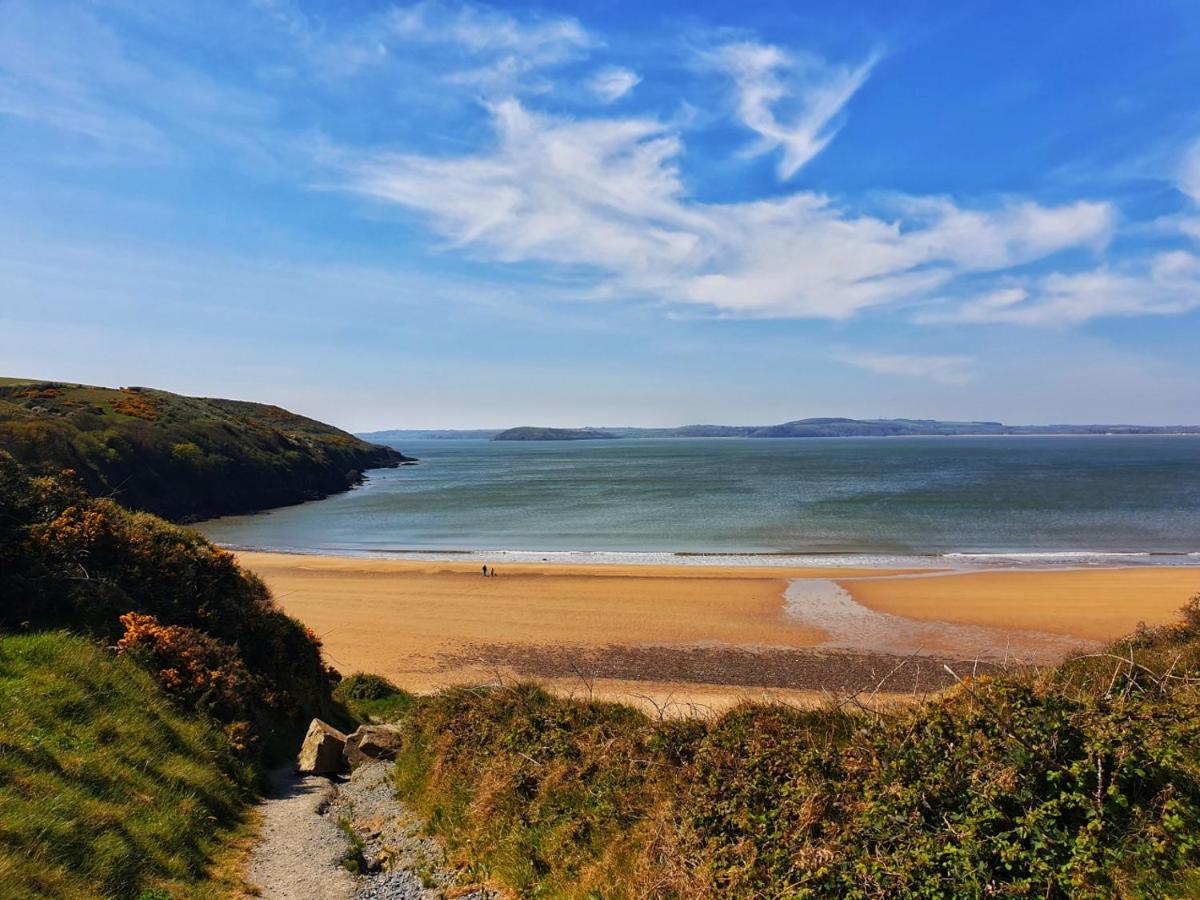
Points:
(74, 561)
(1000, 787)
(197, 670)
(1082, 781)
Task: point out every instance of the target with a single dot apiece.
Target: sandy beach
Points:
(702, 635)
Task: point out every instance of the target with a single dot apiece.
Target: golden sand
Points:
(423, 624)
(396, 617)
(1095, 604)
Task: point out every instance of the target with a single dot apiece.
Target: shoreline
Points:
(957, 560)
(696, 634)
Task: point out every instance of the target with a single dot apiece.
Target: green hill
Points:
(185, 458)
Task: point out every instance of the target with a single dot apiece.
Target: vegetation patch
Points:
(372, 698)
(106, 787)
(167, 596)
(1080, 781)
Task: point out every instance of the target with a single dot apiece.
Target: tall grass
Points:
(106, 788)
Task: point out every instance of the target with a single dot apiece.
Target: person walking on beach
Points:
(485, 571)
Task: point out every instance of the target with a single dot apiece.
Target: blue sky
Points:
(442, 214)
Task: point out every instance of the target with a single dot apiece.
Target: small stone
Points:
(373, 742)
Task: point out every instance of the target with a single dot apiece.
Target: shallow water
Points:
(1043, 500)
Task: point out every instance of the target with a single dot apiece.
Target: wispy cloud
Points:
(1189, 172)
(607, 194)
(1167, 284)
(1162, 283)
(766, 77)
(951, 370)
(613, 83)
(76, 73)
(504, 46)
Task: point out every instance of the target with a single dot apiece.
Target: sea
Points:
(916, 501)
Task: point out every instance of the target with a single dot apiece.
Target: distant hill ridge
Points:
(528, 433)
(185, 458)
(825, 426)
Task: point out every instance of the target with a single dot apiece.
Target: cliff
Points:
(183, 458)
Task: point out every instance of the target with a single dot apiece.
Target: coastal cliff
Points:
(183, 458)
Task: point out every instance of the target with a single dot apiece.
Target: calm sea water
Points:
(1031, 498)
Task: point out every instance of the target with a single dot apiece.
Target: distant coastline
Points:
(799, 428)
(528, 433)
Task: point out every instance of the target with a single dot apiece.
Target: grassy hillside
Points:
(130, 769)
(1082, 781)
(184, 458)
(178, 603)
(106, 787)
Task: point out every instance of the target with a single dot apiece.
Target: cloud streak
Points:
(606, 195)
(765, 76)
(1167, 284)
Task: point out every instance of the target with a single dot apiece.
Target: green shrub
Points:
(364, 686)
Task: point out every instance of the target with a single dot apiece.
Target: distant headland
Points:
(528, 433)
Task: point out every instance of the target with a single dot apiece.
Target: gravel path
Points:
(299, 854)
(302, 848)
(401, 862)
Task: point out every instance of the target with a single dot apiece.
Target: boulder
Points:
(372, 742)
(321, 752)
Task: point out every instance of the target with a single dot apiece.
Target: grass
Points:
(1079, 781)
(372, 698)
(106, 788)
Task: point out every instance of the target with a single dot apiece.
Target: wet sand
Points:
(709, 636)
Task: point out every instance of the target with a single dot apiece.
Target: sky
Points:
(440, 214)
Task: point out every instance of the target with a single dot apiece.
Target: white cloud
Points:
(606, 194)
(613, 83)
(1189, 172)
(482, 29)
(506, 47)
(952, 370)
(1168, 284)
(765, 76)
